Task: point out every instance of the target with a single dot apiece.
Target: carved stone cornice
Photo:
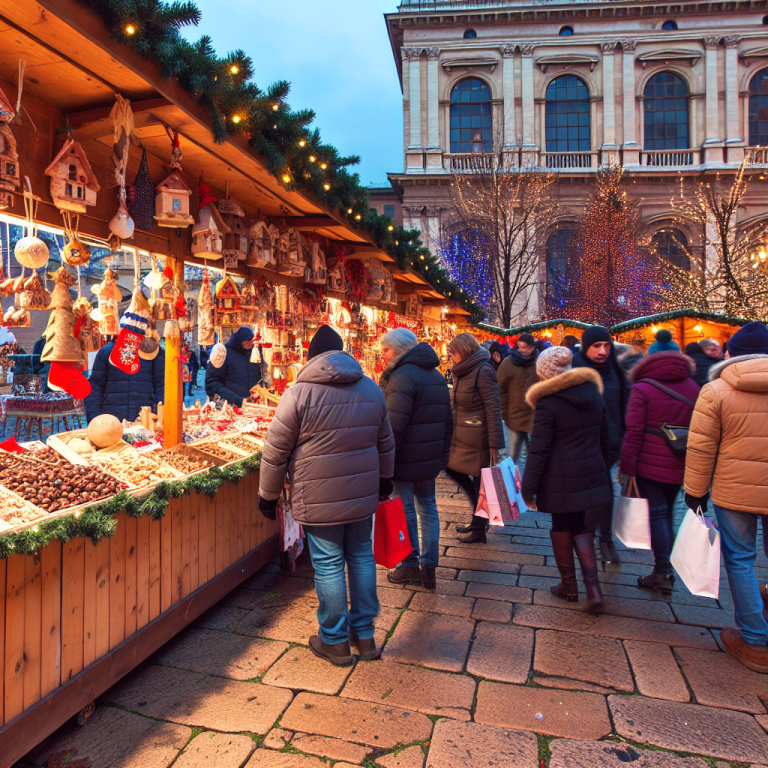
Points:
(609, 46)
(432, 53)
(731, 41)
(508, 50)
(628, 46)
(415, 53)
(711, 41)
(527, 49)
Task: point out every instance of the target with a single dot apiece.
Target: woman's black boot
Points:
(474, 533)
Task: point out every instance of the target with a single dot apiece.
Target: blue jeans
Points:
(331, 546)
(661, 502)
(420, 505)
(738, 537)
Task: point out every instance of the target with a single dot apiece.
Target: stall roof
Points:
(664, 317)
(533, 327)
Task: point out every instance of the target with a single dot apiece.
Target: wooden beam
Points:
(309, 222)
(95, 123)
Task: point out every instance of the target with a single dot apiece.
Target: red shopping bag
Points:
(391, 543)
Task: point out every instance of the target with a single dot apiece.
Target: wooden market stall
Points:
(89, 592)
(553, 330)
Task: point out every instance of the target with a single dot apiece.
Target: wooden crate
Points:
(76, 617)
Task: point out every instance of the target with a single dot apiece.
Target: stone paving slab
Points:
(492, 610)
(222, 654)
(599, 660)
(222, 750)
(115, 737)
(300, 669)
(615, 606)
(567, 684)
(277, 738)
(280, 583)
(488, 577)
(478, 564)
(714, 617)
(489, 555)
(567, 753)
(656, 671)
(409, 687)
(293, 623)
(460, 745)
(334, 749)
(690, 728)
(655, 631)
(542, 617)
(221, 617)
(499, 592)
(393, 598)
(377, 725)
(442, 587)
(562, 713)
(267, 758)
(413, 757)
(197, 700)
(501, 653)
(430, 640)
(719, 680)
(448, 605)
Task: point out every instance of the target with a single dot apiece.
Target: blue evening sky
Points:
(337, 57)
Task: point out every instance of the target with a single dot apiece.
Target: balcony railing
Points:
(407, 6)
(565, 160)
(756, 155)
(481, 162)
(668, 158)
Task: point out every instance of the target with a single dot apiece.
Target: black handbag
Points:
(675, 437)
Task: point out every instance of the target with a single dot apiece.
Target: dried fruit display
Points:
(184, 461)
(243, 443)
(220, 452)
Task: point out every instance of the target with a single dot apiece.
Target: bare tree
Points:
(493, 237)
(729, 277)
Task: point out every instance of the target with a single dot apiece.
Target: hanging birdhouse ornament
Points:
(290, 259)
(172, 202)
(317, 270)
(9, 157)
(236, 240)
(73, 182)
(227, 309)
(30, 251)
(208, 234)
(262, 245)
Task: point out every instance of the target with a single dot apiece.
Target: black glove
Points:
(268, 508)
(694, 502)
(386, 486)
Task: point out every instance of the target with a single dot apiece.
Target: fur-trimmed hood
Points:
(663, 366)
(567, 380)
(745, 372)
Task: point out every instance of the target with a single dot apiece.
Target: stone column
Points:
(414, 80)
(629, 102)
(710, 103)
(433, 109)
(508, 76)
(529, 144)
(609, 96)
(732, 95)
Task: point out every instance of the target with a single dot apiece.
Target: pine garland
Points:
(99, 521)
(292, 150)
(675, 314)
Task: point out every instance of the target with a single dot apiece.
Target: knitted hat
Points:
(325, 340)
(399, 340)
(752, 339)
(592, 335)
(663, 343)
(554, 361)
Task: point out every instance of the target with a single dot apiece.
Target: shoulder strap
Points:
(668, 391)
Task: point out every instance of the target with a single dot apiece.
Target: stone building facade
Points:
(666, 89)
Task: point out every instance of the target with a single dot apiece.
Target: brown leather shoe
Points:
(338, 654)
(404, 574)
(764, 595)
(428, 577)
(754, 657)
(366, 649)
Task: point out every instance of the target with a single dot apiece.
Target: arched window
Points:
(670, 25)
(666, 112)
(470, 34)
(471, 116)
(559, 258)
(758, 109)
(565, 31)
(672, 245)
(567, 115)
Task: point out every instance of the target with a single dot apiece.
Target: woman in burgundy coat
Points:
(646, 456)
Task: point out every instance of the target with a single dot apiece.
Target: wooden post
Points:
(174, 388)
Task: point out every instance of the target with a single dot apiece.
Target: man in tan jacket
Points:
(728, 452)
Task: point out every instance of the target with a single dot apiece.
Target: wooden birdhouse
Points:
(227, 303)
(262, 241)
(172, 201)
(236, 241)
(9, 158)
(73, 182)
(317, 270)
(208, 234)
(291, 259)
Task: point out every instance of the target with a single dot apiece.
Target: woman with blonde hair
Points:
(478, 434)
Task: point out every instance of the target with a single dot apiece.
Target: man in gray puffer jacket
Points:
(331, 436)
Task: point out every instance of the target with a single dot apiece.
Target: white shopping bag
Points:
(631, 520)
(696, 555)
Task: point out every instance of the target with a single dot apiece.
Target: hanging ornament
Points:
(109, 296)
(121, 225)
(9, 157)
(133, 327)
(205, 332)
(75, 253)
(227, 308)
(218, 355)
(73, 182)
(142, 207)
(34, 295)
(31, 251)
(204, 194)
(172, 193)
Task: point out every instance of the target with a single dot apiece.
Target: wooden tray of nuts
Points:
(16, 512)
(226, 454)
(127, 464)
(249, 445)
(187, 460)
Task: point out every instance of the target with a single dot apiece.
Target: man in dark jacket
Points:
(516, 375)
(703, 361)
(597, 352)
(331, 436)
(123, 394)
(234, 380)
(419, 407)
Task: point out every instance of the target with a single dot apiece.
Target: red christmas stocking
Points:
(125, 353)
(69, 378)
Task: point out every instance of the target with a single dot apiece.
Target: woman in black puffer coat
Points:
(567, 472)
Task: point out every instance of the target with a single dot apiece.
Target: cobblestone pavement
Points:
(490, 670)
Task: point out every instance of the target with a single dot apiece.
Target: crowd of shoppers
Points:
(598, 420)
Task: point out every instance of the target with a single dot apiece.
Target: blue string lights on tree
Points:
(465, 255)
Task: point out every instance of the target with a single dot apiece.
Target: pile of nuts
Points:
(141, 470)
(243, 443)
(220, 452)
(15, 511)
(58, 487)
(184, 462)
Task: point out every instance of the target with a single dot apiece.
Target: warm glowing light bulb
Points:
(130, 30)
(654, 329)
(275, 107)
(236, 119)
(234, 69)
(311, 158)
(349, 210)
(422, 257)
(697, 328)
(302, 143)
(358, 217)
(286, 178)
(326, 187)
(390, 228)
(323, 165)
